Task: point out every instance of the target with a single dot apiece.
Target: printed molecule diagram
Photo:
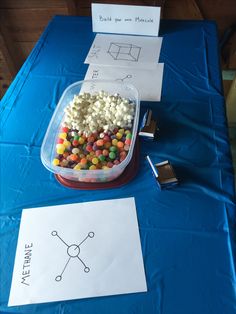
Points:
(73, 251)
(124, 51)
(124, 78)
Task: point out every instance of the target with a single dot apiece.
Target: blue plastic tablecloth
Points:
(187, 233)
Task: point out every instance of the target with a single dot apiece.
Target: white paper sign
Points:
(147, 82)
(126, 19)
(77, 251)
(122, 50)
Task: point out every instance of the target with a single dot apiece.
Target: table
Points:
(187, 236)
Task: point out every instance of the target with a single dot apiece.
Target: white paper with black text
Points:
(125, 19)
(147, 82)
(77, 251)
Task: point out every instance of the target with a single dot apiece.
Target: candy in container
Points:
(93, 130)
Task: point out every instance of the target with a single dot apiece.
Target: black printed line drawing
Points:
(94, 51)
(92, 87)
(124, 78)
(73, 251)
(127, 52)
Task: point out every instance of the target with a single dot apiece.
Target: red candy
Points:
(89, 148)
(60, 141)
(75, 143)
(128, 141)
(65, 129)
(122, 158)
(106, 139)
(91, 139)
(98, 152)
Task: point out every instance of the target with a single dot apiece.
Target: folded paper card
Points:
(148, 128)
(77, 251)
(125, 19)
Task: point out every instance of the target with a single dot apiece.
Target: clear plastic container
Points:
(48, 149)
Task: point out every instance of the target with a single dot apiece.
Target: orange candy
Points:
(105, 152)
(73, 157)
(120, 144)
(83, 161)
(100, 142)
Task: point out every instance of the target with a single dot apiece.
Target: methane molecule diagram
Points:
(73, 251)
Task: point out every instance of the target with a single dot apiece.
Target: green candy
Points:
(102, 158)
(113, 149)
(112, 155)
(128, 136)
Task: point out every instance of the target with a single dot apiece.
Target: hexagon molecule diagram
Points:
(126, 52)
(73, 251)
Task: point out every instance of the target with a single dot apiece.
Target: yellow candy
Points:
(105, 167)
(119, 135)
(55, 162)
(60, 151)
(62, 135)
(93, 167)
(81, 140)
(77, 167)
(67, 143)
(95, 160)
(114, 142)
(60, 146)
(121, 131)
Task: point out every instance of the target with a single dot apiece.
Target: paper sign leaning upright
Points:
(126, 19)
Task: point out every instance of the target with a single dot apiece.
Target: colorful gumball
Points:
(95, 161)
(128, 141)
(65, 129)
(100, 142)
(105, 152)
(120, 144)
(55, 162)
(112, 155)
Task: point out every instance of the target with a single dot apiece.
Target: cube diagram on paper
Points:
(124, 50)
